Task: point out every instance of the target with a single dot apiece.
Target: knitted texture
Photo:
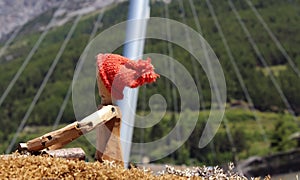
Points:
(117, 71)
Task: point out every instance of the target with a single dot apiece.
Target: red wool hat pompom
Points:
(117, 71)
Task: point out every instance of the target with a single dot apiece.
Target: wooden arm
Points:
(58, 138)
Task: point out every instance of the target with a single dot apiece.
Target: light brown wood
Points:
(68, 153)
(106, 98)
(108, 145)
(108, 142)
(57, 139)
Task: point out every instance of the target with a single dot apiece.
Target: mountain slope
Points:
(282, 17)
(15, 13)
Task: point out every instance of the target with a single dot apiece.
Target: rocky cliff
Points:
(15, 13)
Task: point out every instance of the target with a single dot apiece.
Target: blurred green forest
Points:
(283, 18)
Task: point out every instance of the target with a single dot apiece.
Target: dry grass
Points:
(17, 166)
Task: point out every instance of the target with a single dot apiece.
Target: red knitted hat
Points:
(117, 71)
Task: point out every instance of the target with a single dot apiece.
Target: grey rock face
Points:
(15, 13)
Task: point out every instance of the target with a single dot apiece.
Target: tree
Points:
(280, 137)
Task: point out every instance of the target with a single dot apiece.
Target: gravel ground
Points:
(17, 166)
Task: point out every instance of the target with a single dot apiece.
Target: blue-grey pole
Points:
(133, 49)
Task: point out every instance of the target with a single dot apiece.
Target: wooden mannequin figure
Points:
(114, 72)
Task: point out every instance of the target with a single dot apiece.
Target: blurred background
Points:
(257, 43)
